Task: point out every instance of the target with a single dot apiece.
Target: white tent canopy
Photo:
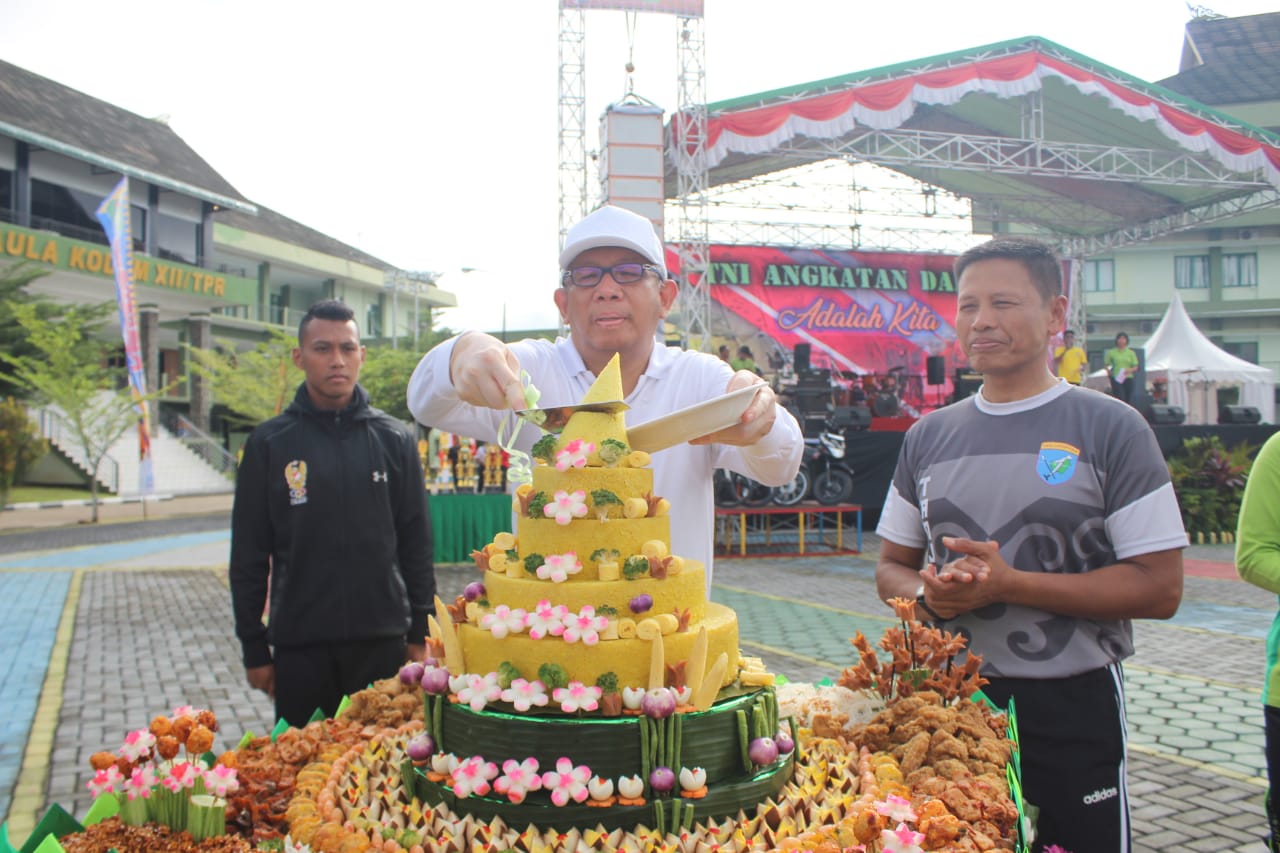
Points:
(1194, 368)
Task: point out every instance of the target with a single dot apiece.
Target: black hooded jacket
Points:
(331, 506)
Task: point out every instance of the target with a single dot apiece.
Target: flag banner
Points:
(113, 213)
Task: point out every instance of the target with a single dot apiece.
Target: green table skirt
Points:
(463, 523)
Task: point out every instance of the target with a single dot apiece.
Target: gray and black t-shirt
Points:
(1067, 481)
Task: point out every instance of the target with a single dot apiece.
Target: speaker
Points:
(1239, 415)
(850, 417)
(802, 358)
(1160, 414)
(935, 367)
(884, 405)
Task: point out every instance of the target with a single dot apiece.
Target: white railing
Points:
(53, 427)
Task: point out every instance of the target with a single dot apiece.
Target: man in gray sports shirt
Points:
(1037, 519)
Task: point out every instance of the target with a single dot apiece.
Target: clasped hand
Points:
(969, 582)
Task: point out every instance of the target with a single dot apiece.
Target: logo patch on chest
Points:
(295, 474)
(1056, 463)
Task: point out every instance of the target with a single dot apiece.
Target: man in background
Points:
(1069, 360)
(330, 514)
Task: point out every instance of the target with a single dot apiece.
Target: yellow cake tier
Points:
(584, 536)
(686, 590)
(622, 482)
(628, 659)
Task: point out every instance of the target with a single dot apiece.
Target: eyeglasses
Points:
(628, 273)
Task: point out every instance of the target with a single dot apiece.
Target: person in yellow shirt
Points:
(1069, 360)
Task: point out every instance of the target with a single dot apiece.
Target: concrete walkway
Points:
(112, 624)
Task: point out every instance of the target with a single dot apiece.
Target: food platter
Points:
(692, 422)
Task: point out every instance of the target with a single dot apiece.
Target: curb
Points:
(101, 502)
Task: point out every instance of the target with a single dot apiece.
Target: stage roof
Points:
(1038, 137)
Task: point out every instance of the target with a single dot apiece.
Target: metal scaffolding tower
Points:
(692, 231)
(573, 118)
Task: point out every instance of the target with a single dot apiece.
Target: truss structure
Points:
(573, 118)
(692, 235)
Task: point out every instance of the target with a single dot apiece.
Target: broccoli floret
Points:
(544, 449)
(507, 673)
(604, 497)
(608, 682)
(604, 554)
(606, 610)
(536, 503)
(553, 676)
(532, 562)
(636, 566)
(612, 450)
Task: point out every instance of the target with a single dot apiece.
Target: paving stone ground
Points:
(150, 628)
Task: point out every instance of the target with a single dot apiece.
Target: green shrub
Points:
(1209, 482)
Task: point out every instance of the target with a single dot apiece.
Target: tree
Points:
(255, 384)
(66, 374)
(19, 444)
(385, 376)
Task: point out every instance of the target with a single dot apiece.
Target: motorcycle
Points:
(733, 489)
(832, 478)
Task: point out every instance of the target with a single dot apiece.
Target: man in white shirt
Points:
(614, 293)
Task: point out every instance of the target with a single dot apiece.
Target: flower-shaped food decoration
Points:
(502, 620)
(480, 690)
(518, 779)
(557, 567)
(574, 455)
(566, 506)
(473, 776)
(896, 809)
(138, 745)
(567, 782)
(904, 839)
(633, 697)
(106, 781)
(221, 781)
(524, 694)
(545, 620)
(630, 790)
(140, 783)
(185, 711)
(181, 776)
(577, 697)
(585, 626)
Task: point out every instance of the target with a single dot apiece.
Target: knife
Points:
(554, 418)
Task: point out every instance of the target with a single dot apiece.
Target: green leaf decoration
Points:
(604, 554)
(507, 673)
(608, 682)
(604, 497)
(612, 451)
(537, 503)
(544, 449)
(532, 562)
(553, 675)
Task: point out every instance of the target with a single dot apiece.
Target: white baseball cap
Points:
(614, 226)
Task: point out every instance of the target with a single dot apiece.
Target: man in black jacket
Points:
(330, 508)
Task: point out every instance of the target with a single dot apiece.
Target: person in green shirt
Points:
(1258, 562)
(1121, 363)
(745, 360)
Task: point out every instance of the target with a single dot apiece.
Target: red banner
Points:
(863, 313)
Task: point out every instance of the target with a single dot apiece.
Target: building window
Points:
(276, 309)
(373, 321)
(1248, 350)
(1240, 270)
(1191, 272)
(1099, 276)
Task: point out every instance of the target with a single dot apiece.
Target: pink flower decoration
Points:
(524, 694)
(574, 455)
(566, 506)
(138, 745)
(185, 711)
(904, 839)
(567, 782)
(896, 809)
(480, 690)
(518, 779)
(105, 781)
(585, 626)
(140, 783)
(181, 775)
(503, 620)
(577, 697)
(473, 776)
(546, 620)
(558, 567)
(221, 781)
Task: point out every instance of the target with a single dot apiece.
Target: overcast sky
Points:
(424, 131)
